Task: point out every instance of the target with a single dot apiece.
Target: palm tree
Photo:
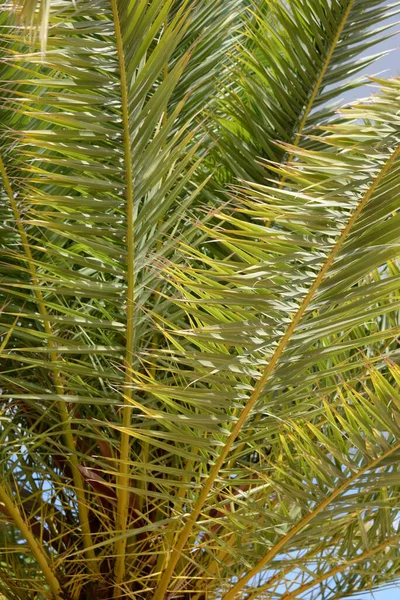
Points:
(199, 280)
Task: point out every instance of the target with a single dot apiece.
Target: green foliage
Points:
(199, 296)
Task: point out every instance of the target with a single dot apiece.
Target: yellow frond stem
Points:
(36, 548)
(123, 475)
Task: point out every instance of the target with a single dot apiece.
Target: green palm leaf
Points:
(199, 373)
(294, 63)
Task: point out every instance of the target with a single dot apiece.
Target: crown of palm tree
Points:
(199, 296)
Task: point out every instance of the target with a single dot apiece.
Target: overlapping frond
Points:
(96, 166)
(295, 62)
(300, 329)
(198, 400)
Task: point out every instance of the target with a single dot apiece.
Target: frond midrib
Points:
(123, 475)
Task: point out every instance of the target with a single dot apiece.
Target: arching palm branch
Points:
(199, 281)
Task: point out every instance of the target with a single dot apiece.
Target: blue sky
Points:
(386, 66)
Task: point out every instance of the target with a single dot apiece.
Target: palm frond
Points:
(295, 62)
(346, 199)
(200, 385)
